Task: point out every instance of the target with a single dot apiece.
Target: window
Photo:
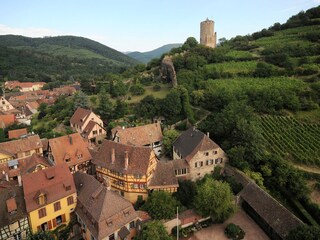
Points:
(42, 212)
(95, 132)
(80, 156)
(201, 164)
(100, 130)
(215, 152)
(111, 237)
(68, 159)
(57, 206)
(206, 153)
(70, 200)
(196, 164)
(59, 220)
(132, 224)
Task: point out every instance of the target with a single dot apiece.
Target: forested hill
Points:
(50, 57)
(146, 57)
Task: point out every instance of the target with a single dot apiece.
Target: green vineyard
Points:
(293, 140)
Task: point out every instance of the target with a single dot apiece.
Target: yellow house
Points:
(130, 170)
(20, 148)
(50, 197)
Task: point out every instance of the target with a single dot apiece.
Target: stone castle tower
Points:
(207, 35)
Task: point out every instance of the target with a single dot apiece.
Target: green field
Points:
(292, 140)
(243, 67)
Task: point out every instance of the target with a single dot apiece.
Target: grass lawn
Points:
(308, 116)
(165, 88)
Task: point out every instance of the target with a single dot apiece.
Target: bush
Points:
(137, 89)
(234, 232)
(156, 88)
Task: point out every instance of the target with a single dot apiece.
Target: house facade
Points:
(71, 150)
(128, 169)
(50, 197)
(149, 135)
(97, 217)
(88, 124)
(20, 148)
(5, 105)
(195, 155)
(14, 223)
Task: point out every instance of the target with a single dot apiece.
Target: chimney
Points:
(113, 155)
(7, 177)
(70, 139)
(208, 135)
(19, 180)
(126, 160)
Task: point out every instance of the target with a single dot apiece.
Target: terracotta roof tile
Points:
(103, 211)
(21, 145)
(11, 192)
(17, 133)
(139, 136)
(80, 116)
(7, 120)
(139, 157)
(38, 181)
(72, 146)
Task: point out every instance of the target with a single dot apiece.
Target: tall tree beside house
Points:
(80, 100)
(161, 205)
(153, 230)
(105, 105)
(169, 137)
(214, 199)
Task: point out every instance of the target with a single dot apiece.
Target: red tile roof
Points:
(21, 145)
(79, 116)
(138, 157)
(17, 133)
(71, 146)
(164, 176)
(54, 188)
(7, 120)
(139, 136)
(11, 204)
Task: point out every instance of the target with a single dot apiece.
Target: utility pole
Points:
(177, 223)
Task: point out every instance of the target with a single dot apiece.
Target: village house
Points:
(5, 105)
(88, 124)
(195, 155)
(50, 197)
(12, 170)
(24, 86)
(14, 223)
(102, 213)
(130, 170)
(20, 148)
(149, 135)
(71, 150)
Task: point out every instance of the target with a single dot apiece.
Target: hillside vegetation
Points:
(57, 58)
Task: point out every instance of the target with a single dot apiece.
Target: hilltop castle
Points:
(207, 35)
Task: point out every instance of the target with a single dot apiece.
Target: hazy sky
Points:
(143, 25)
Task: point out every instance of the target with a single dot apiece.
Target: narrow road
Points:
(307, 168)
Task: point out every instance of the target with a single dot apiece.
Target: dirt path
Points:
(307, 168)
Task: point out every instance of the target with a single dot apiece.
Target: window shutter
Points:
(54, 223)
(49, 225)
(63, 218)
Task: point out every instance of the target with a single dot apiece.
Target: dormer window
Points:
(109, 223)
(126, 213)
(42, 199)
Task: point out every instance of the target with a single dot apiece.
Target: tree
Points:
(169, 137)
(234, 232)
(304, 232)
(43, 235)
(186, 193)
(80, 100)
(147, 107)
(161, 205)
(191, 42)
(214, 199)
(120, 109)
(171, 105)
(105, 105)
(153, 230)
